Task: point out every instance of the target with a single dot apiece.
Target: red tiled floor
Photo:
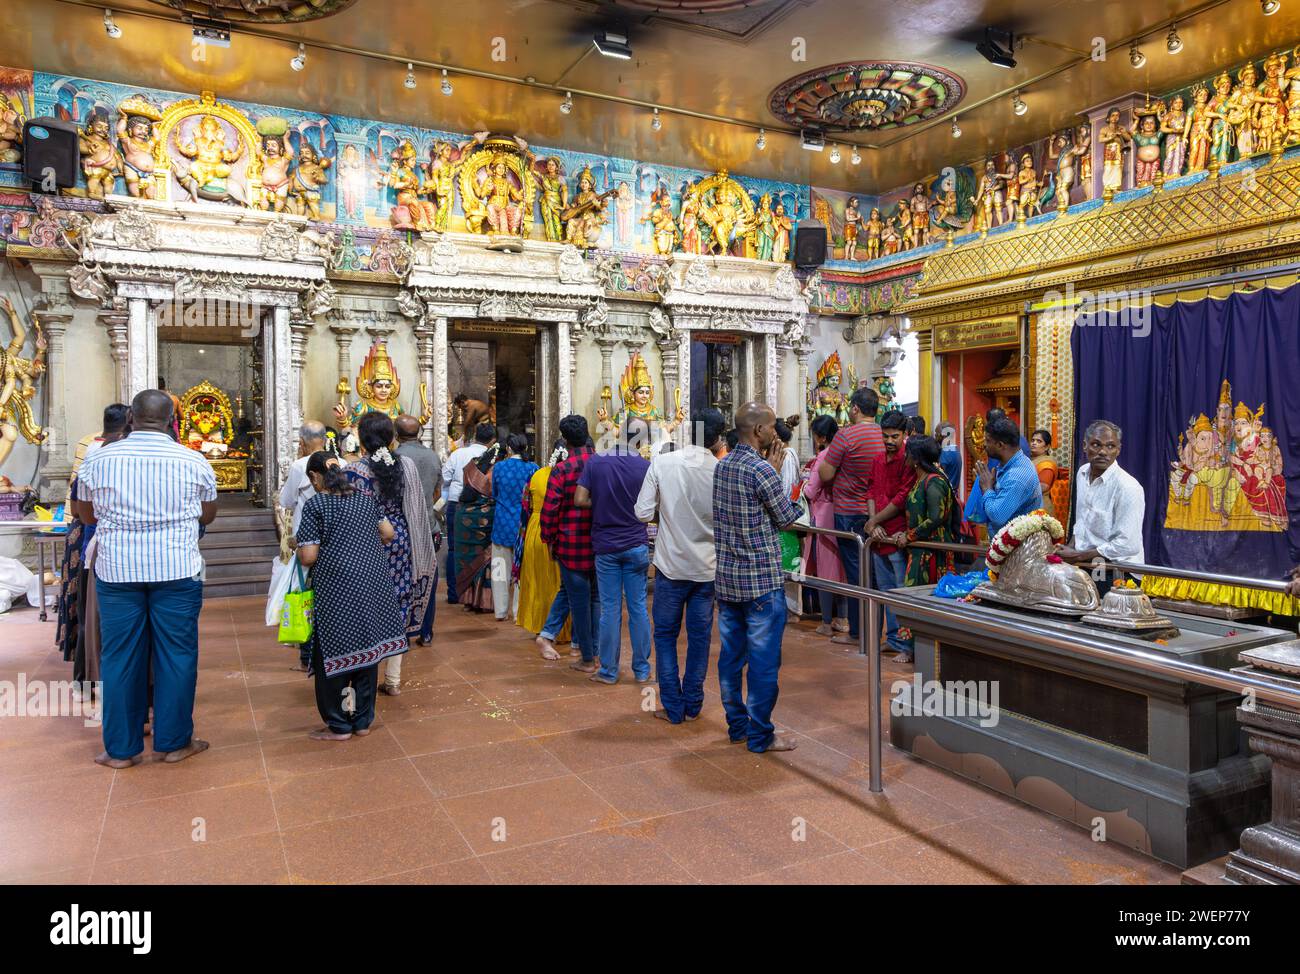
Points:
(588, 786)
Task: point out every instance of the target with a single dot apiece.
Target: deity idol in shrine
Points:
(636, 392)
(889, 237)
(379, 390)
(505, 213)
(276, 155)
(1200, 129)
(920, 205)
(1083, 152)
(852, 223)
(11, 129)
(586, 216)
(1027, 180)
(554, 199)
(1173, 126)
(1222, 136)
(440, 183)
(137, 140)
(18, 378)
(100, 162)
(1270, 105)
(826, 398)
(308, 181)
(784, 227)
(663, 231)
(1146, 142)
(907, 239)
(692, 243)
(875, 231)
(1240, 111)
(409, 212)
(1114, 139)
(210, 159)
(765, 227)
(1067, 157)
(726, 220)
(206, 424)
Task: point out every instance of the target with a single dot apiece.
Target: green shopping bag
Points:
(296, 612)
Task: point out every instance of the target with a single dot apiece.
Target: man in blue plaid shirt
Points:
(749, 509)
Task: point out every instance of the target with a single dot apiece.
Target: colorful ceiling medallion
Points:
(866, 95)
(686, 6)
(259, 11)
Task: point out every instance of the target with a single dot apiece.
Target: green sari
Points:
(929, 518)
(473, 534)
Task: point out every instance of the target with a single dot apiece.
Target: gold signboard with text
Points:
(988, 333)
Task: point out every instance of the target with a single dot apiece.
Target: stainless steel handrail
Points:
(1239, 581)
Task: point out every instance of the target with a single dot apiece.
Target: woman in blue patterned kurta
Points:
(509, 483)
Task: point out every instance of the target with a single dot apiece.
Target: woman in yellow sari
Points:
(1039, 446)
(539, 573)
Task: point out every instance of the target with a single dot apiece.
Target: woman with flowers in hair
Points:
(394, 482)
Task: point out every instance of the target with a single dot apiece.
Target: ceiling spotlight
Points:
(612, 44)
(656, 122)
(1173, 43)
(956, 129)
(760, 143)
(856, 157)
(446, 83)
(998, 47)
(1136, 57)
(566, 106)
(835, 155)
(110, 28)
(410, 75)
(1270, 7)
(300, 59)
(1018, 104)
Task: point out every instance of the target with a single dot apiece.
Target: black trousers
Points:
(332, 694)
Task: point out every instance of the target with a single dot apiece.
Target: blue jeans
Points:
(829, 603)
(138, 620)
(555, 618)
(849, 556)
(751, 636)
(580, 590)
(426, 627)
(889, 572)
(682, 696)
(449, 514)
(623, 576)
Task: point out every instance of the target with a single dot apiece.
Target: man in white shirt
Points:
(148, 496)
(453, 482)
(1110, 504)
(297, 489)
(680, 485)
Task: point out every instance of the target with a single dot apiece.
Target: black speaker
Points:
(50, 149)
(810, 244)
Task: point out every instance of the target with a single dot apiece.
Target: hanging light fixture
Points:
(1136, 57)
(446, 83)
(856, 157)
(656, 122)
(110, 28)
(299, 61)
(1270, 7)
(566, 106)
(760, 143)
(1018, 104)
(956, 129)
(835, 155)
(1173, 43)
(410, 75)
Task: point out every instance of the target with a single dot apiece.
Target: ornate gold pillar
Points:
(929, 405)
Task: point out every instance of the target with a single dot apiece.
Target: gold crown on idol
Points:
(1223, 77)
(1225, 393)
(588, 175)
(635, 376)
(377, 367)
(830, 367)
(1243, 412)
(1202, 424)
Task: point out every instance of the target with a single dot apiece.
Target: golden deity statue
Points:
(784, 228)
(692, 239)
(276, 155)
(875, 233)
(409, 212)
(12, 116)
(440, 183)
(18, 377)
(1240, 111)
(660, 218)
(1027, 180)
(100, 162)
(1114, 139)
(727, 220)
(827, 398)
(636, 391)
(504, 213)
(379, 390)
(137, 140)
(554, 199)
(308, 181)
(585, 217)
(209, 167)
(206, 423)
(498, 189)
(1270, 105)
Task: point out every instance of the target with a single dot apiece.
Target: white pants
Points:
(392, 671)
(503, 560)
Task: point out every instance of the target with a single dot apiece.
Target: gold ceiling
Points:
(707, 60)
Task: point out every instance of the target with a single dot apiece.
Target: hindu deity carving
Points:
(1200, 129)
(18, 378)
(276, 155)
(554, 198)
(852, 223)
(1222, 136)
(440, 182)
(692, 238)
(906, 235)
(636, 392)
(308, 180)
(206, 423)
(1115, 140)
(1083, 145)
(1173, 126)
(100, 163)
(989, 197)
(1270, 105)
(826, 398)
(497, 188)
(875, 228)
(884, 386)
(1146, 145)
(728, 213)
(585, 217)
(920, 206)
(784, 226)
(378, 389)
(409, 211)
(215, 152)
(663, 229)
(12, 116)
(1028, 185)
(1240, 111)
(137, 139)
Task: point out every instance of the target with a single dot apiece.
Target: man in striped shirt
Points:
(148, 496)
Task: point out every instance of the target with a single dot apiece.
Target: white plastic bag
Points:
(282, 574)
(15, 580)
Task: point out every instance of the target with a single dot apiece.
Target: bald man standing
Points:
(750, 508)
(148, 496)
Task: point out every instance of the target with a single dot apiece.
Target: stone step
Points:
(237, 568)
(245, 552)
(243, 521)
(226, 538)
(223, 588)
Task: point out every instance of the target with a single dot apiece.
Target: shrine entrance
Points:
(716, 379)
(497, 363)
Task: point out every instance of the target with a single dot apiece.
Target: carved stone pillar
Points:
(54, 319)
(607, 370)
(299, 331)
(801, 352)
(670, 355)
(441, 402)
(424, 340)
(343, 330)
(141, 347)
(566, 337)
(280, 413)
(771, 373)
(116, 325)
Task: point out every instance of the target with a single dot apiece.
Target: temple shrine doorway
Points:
(716, 366)
(497, 364)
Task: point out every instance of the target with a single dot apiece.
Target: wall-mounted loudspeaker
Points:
(809, 244)
(50, 154)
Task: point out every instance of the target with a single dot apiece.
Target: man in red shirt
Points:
(891, 479)
(848, 465)
(566, 530)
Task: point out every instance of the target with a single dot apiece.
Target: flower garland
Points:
(1014, 533)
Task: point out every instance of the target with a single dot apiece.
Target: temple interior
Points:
(1075, 659)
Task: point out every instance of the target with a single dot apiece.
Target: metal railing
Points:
(870, 600)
